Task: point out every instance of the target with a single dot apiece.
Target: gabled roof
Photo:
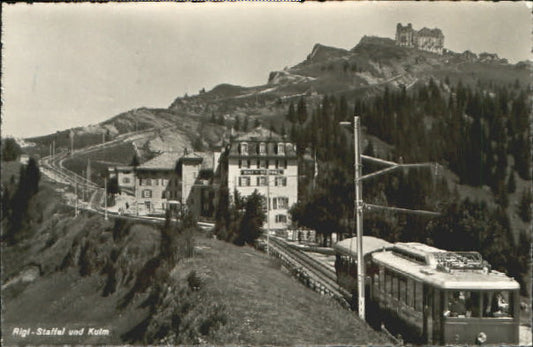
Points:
(260, 134)
(164, 161)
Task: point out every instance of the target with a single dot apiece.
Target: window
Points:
(281, 218)
(240, 164)
(244, 181)
(147, 193)
(126, 180)
(418, 295)
(262, 148)
(381, 279)
(140, 181)
(281, 148)
(244, 163)
(258, 164)
(388, 282)
(498, 304)
(394, 286)
(156, 182)
(261, 181)
(402, 290)
(281, 181)
(148, 182)
(263, 164)
(283, 202)
(283, 164)
(163, 195)
(244, 148)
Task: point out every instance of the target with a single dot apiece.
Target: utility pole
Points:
(268, 211)
(359, 220)
(359, 205)
(105, 198)
(76, 202)
(71, 135)
(358, 213)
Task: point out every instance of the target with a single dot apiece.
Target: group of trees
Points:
(240, 220)
(239, 124)
(474, 131)
(16, 199)
(10, 149)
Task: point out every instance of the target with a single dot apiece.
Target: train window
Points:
(418, 295)
(498, 304)
(394, 286)
(456, 303)
(388, 282)
(402, 289)
(410, 293)
(382, 279)
(473, 304)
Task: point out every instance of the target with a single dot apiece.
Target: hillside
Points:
(87, 273)
(361, 72)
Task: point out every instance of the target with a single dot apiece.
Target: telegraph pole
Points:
(359, 205)
(268, 211)
(359, 219)
(105, 198)
(76, 202)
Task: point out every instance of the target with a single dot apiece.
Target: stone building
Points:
(430, 40)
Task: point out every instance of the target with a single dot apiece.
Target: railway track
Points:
(310, 271)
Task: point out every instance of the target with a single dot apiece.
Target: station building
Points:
(264, 161)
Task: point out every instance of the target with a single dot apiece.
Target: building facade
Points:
(430, 40)
(264, 161)
(170, 180)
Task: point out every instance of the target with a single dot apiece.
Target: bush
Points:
(194, 281)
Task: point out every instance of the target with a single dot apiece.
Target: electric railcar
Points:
(432, 296)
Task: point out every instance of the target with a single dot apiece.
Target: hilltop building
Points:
(264, 161)
(430, 40)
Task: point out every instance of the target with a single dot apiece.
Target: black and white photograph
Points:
(244, 173)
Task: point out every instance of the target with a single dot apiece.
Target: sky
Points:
(66, 65)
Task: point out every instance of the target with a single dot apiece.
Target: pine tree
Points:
(245, 124)
(135, 161)
(237, 124)
(301, 111)
(511, 183)
(291, 115)
(524, 207)
(254, 217)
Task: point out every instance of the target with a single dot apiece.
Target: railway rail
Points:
(310, 271)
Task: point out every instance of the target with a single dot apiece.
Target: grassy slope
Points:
(266, 306)
(55, 277)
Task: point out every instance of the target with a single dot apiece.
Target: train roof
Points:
(443, 269)
(370, 244)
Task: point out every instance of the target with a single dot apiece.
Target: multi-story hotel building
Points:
(264, 161)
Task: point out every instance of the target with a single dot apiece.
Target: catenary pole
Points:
(359, 219)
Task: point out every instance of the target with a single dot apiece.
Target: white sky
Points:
(67, 65)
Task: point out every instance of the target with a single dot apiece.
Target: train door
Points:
(427, 325)
(438, 304)
(432, 315)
